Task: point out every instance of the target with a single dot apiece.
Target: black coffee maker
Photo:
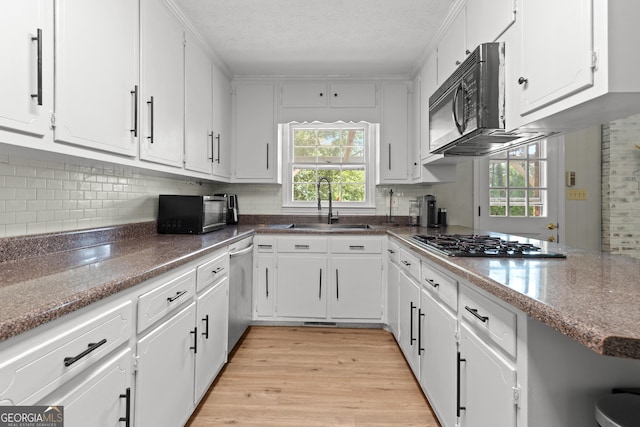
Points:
(232, 207)
(428, 212)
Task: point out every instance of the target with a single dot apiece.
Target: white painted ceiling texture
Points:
(317, 37)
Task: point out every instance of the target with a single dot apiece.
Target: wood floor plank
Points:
(297, 376)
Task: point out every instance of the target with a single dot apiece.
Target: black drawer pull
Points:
(474, 311)
(432, 283)
(358, 247)
(68, 361)
(407, 263)
(217, 270)
(205, 319)
(176, 296)
(391, 251)
(265, 246)
(301, 246)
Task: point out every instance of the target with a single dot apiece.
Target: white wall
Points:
(457, 197)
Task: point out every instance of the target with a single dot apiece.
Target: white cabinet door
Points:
(265, 290)
(162, 84)
(393, 164)
(221, 125)
(452, 48)
(101, 399)
(567, 65)
(428, 85)
(20, 109)
(302, 286)
(212, 326)
(438, 360)
(393, 279)
(198, 132)
(409, 303)
(487, 19)
(487, 385)
(96, 76)
(356, 287)
(352, 95)
(307, 95)
(256, 144)
(165, 379)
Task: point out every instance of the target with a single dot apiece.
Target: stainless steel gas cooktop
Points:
(472, 245)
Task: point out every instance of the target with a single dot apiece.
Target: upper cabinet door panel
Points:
(198, 144)
(19, 25)
(304, 95)
(162, 85)
(352, 95)
(487, 19)
(221, 124)
(557, 45)
(97, 74)
(451, 49)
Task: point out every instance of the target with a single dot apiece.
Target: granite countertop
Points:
(591, 297)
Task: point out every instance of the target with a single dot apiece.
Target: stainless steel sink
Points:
(330, 226)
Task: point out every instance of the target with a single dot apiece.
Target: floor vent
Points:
(319, 324)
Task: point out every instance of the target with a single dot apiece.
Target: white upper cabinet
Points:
(162, 84)
(96, 75)
(221, 125)
(198, 135)
(393, 151)
(487, 19)
(452, 48)
(304, 95)
(352, 95)
(557, 55)
(26, 42)
(256, 148)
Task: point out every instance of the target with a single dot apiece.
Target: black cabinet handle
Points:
(267, 156)
(127, 418)
(206, 327)
(474, 311)
(301, 246)
(356, 247)
(432, 283)
(217, 270)
(391, 251)
(265, 246)
(407, 263)
(134, 95)
(389, 156)
(210, 138)
(523, 80)
(337, 286)
(176, 296)
(38, 39)
(218, 139)
(68, 361)
(150, 104)
(420, 316)
(458, 407)
(412, 339)
(320, 286)
(195, 340)
(266, 277)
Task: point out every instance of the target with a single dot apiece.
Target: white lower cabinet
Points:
(356, 289)
(302, 286)
(102, 398)
(393, 294)
(438, 359)
(409, 303)
(264, 288)
(164, 379)
(487, 382)
(211, 335)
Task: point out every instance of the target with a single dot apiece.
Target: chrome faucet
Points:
(331, 218)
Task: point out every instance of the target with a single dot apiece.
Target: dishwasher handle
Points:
(241, 252)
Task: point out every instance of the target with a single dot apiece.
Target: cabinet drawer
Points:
(302, 244)
(356, 245)
(54, 360)
(154, 305)
(265, 243)
(489, 319)
(212, 270)
(439, 284)
(393, 252)
(410, 264)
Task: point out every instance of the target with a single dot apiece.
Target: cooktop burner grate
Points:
(473, 245)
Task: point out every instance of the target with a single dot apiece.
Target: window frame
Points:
(285, 133)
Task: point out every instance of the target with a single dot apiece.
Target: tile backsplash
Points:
(37, 196)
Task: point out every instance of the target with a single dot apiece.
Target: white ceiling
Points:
(317, 37)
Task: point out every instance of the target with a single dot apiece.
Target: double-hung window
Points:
(339, 152)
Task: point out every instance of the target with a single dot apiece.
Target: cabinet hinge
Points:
(457, 337)
(134, 363)
(516, 396)
(53, 120)
(594, 59)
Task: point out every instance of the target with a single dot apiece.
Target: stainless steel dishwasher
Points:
(240, 288)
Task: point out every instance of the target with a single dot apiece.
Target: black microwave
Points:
(191, 214)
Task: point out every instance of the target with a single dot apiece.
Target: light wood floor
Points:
(306, 376)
